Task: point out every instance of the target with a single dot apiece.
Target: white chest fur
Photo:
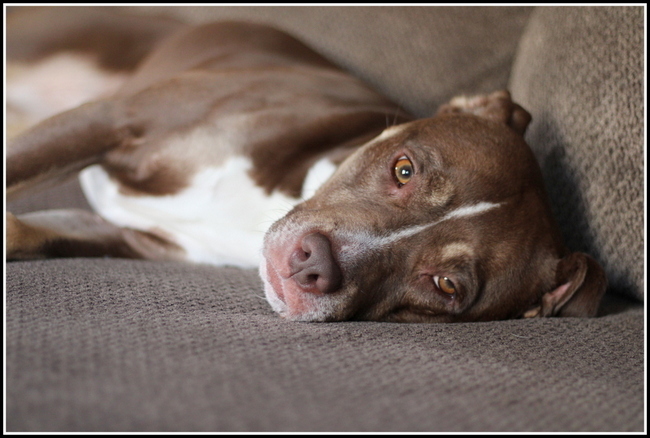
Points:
(219, 219)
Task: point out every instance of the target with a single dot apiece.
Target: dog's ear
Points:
(580, 285)
(497, 106)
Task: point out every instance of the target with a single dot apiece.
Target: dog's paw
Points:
(22, 242)
(497, 106)
(12, 238)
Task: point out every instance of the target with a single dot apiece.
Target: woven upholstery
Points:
(587, 106)
(116, 345)
(119, 345)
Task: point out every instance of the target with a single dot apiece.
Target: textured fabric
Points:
(579, 71)
(116, 345)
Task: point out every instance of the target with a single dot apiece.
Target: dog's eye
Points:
(445, 285)
(403, 170)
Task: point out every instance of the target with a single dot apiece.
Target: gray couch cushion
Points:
(579, 71)
(117, 345)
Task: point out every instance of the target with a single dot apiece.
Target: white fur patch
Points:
(320, 172)
(359, 243)
(457, 249)
(220, 218)
(390, 132)
(470, 210)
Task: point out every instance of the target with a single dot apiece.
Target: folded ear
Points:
(497, 106)
(581, 283)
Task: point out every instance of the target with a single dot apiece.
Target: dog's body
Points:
(225, 128)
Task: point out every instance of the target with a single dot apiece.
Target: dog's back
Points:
(224, 126)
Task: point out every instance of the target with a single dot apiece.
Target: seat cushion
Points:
(120, 345)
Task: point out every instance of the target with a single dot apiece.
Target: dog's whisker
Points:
(397, 110)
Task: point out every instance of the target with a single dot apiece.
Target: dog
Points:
(233, 143)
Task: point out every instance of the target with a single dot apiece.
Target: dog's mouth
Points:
(293, 303)
(302, 278)
(274, 281)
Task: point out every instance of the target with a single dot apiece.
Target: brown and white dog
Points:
(233, 143)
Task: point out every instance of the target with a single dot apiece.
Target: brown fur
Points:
(291, 107)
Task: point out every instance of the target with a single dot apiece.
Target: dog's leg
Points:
(59, 147)
(80, 233)
(54, 150)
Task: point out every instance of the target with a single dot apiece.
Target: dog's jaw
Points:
(284, 294)
(290, 303)
(273, 289)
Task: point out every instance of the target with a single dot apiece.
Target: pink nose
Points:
(313, 266)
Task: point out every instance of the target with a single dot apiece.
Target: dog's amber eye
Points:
(445, 284)
(403, 170)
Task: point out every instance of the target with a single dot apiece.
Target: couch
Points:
(112, 345)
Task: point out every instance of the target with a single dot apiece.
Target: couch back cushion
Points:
(420, 56)
(579, 71)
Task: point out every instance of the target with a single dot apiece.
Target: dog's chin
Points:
(291, 303)
(273, 289)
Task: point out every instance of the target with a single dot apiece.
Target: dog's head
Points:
(437, 220)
